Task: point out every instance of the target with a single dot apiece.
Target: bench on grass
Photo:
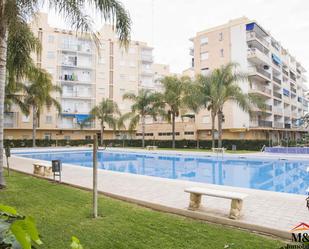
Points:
(151, 147)
(42, 169)
(236, 204)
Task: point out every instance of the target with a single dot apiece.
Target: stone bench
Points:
(42, 169)
(218, 150)
(196, 196)
(151, 147)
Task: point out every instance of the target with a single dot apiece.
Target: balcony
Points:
(278, 81)
(10, 120)
(257, 71)
(257, 57)
(277, 95)
(285, 72)
(287, 126)
(277, 110)
(191, 51)
(147, 58)
(265, 123)
(251, 35)
(260, 89)
(278, 124)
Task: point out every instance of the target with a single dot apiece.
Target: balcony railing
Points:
(278, 124)
(285, 72)
(277, 110)
(287, 126)
(146, 58)
(262, 89)
(10, 120)
(277, 80)
(255, 52)
(265, 123)
(277, 95)
(254, 35)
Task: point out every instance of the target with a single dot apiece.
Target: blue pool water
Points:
(265, 174)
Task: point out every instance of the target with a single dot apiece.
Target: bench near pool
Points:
(236, 204)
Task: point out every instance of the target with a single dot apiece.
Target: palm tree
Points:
(174, 98)
(105, 112)
(144, 104)
(37, 94)
(226, 81)
(14, 16)
(207, 97)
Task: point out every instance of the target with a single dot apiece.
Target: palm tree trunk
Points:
(102, 132)
(3, 49)
(173, 130)
(34, 124)
(219, 129)
(143, 131)
(213, 116)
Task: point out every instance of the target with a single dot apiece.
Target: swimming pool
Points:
(287, 176)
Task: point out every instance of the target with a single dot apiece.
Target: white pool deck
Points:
(264, 211)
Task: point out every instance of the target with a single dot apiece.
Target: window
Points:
(51, 39)
(87, 137)
(204, 56)
(50, 55)
(222, 52)
(206, 119)
(67, 137)
(47, 136)
(205, 71)
(189, 132)
(25, 119)
(220, 36)
(48, 119)
(204, 40)
(123, 77)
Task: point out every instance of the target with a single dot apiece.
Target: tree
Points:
(37, 94)
(144, 104)
(105, 112)
(14, 14)
(174, 99)
(207, 96)
(226, 80)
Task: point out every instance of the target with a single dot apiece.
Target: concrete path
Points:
(264, 211)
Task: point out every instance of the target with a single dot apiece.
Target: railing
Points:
(146, 57)
(293, 90)
(262, 89)
(263, 72)
(254, 35)
(10, 120)
(277, 95)
(265, 123)
(258, 53)
(277, 110)
(278, 124)
(285, 72)
(277, 80)
(77, 95)
(287, 126)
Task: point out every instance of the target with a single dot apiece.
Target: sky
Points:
(167, 25)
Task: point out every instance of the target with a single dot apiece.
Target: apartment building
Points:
(87, 74)
(274, 74)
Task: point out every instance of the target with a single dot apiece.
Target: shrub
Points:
(204, 144)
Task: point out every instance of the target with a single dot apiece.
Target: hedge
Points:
(204, 144)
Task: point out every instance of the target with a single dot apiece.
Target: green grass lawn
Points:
(62, 211)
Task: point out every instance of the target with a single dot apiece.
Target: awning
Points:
(80, 118)
(286, 92)
(276, 59)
